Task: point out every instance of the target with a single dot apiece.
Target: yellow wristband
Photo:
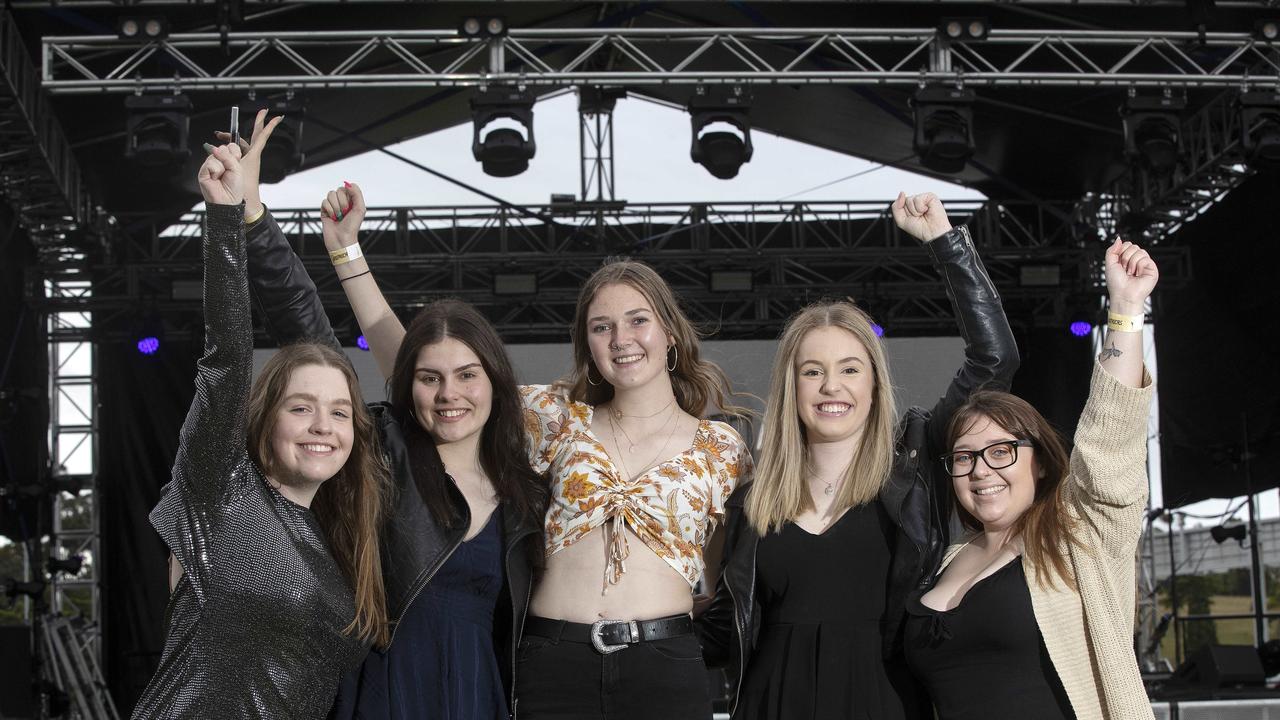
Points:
(256, 216)
(345, 255)
(1125, 323)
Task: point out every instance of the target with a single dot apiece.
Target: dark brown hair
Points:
(1046, 524)
(504, 453)
(697, 383)
(349, 506)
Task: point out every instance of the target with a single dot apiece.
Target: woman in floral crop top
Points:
(638, 481)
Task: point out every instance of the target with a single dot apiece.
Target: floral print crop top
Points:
(672, 507)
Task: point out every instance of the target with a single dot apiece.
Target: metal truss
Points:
(794, 254)
(1245, 4)
(39, 176)
(656, 56)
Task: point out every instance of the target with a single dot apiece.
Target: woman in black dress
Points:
(839, 523)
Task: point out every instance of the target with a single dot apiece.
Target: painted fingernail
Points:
(338, 216)
(346, 209)
(346, 184)
(209, 148)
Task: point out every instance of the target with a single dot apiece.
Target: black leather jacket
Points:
(917, 495)
(414, 546)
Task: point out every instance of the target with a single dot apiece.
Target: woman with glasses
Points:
(847, 511)
(1031, 616)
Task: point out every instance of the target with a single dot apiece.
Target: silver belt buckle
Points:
(598, 643)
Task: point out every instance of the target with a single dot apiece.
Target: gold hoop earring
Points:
(589, 381)
(675, 359)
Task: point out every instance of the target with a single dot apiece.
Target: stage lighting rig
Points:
(157, 129)
(943, 127)
(1153, 130)
(1260, 128)
(142, 28)
(1267, 31)
(960, 29)
(283, 156)
(1222, 533)
(69, 566)
(482, 27)
(715, 147)
(503, 151)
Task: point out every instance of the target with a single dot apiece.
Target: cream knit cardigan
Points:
(1089, 632)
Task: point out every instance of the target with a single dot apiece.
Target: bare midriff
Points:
(571, 585)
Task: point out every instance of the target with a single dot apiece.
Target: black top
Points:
(823, 601)
(985, 659)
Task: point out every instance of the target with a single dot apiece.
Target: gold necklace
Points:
(631, 444)
(621, 456)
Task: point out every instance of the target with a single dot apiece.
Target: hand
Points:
(341, 213)
(251, 158)
(1131, 276)
(221, 179)
(921, 216)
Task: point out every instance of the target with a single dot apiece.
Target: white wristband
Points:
(346, 254)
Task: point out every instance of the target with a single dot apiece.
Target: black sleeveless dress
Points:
(822, 601)
(985, 659)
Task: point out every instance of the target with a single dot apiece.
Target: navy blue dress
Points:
(442, 664)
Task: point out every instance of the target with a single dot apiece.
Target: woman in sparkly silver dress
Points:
(271, 514)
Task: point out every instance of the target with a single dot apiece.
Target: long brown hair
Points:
(504, 449)
(697, 383)
(349, 506)
(779, 492)
(1046, 525)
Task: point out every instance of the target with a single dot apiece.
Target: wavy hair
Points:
(1046, 523)
(697, 383)
(779, 492)
(349, 506)
(504, 451)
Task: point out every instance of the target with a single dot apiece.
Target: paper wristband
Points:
(346, 254)
(1125, 323)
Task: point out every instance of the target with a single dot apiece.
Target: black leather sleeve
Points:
(990, 352)
(285, 294)
(714, 626)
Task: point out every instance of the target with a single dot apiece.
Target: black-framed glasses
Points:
(996, 456)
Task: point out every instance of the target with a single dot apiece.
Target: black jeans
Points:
(657, 680)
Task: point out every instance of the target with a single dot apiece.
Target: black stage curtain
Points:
(1054, 374)
(143, 401)
(1216, 343)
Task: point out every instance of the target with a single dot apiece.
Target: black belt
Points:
(608, 636)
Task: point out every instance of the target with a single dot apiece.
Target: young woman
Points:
(1031, 615)
(272, 512)
(463, 534)
(638, 480)
(843, 517)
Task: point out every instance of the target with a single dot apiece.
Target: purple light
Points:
(148, 345)
(875, 328)
(1080, 328)
(362, 343)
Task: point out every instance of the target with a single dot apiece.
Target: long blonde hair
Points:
(780, 492)
(350, 506)
(697, 383)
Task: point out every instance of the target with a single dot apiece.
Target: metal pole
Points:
(1173, 596)
(1255, 560)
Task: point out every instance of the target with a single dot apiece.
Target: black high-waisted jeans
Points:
(564, 680)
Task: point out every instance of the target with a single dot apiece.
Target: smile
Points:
(318, 448)
(834, 408)
(452, 413)
(990, 490)
(628, 359)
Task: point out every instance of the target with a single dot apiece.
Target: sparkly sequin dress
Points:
(255, 624)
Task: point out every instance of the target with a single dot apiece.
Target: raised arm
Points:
(213, 435)
(990, 352)
(341, 213)
(281, 286)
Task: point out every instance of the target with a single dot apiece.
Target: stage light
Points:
(157, 129)
(943, 127)
(502, 151)
(1080, 328)
(70, 565)
(1222, 533)
(1267, 30)
(475, 27)
(721, 122)
(142, 28)
(362, 343)
(1153, 131)
(964, 28)
(283, 156)
(877, 329)
(1260, 128)
(149, 345)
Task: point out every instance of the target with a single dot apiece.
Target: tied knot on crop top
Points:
(672, 507)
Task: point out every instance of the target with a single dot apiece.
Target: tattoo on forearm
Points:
(1109, 352)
